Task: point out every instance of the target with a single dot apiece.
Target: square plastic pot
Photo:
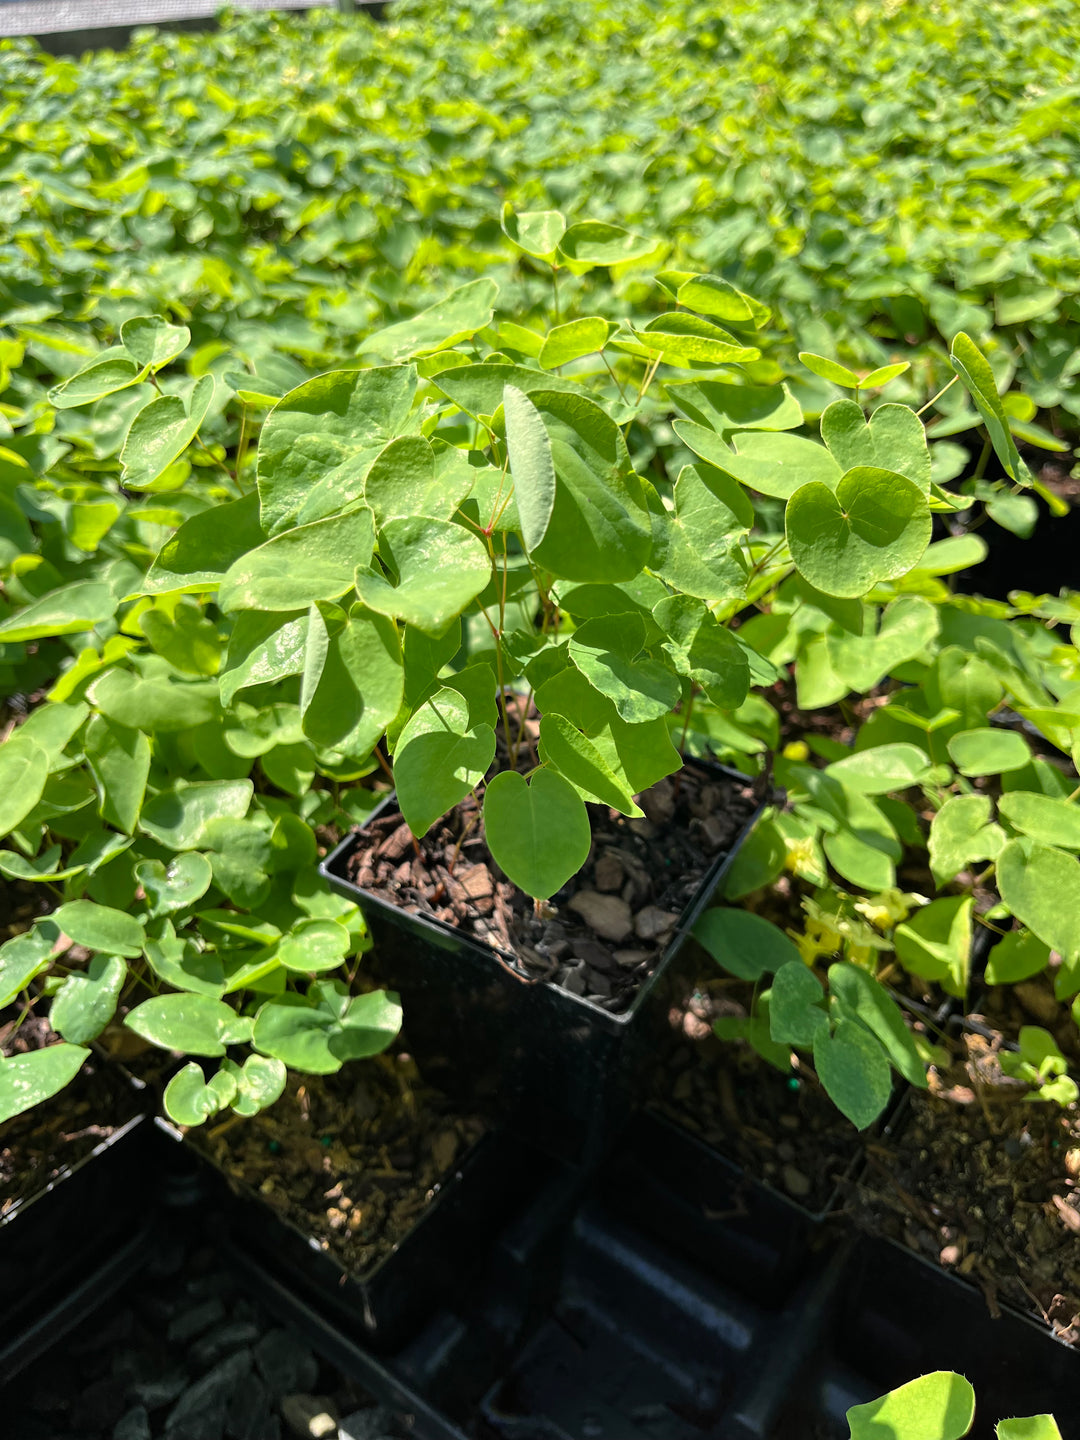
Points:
(565, 1071)
(432, 1265)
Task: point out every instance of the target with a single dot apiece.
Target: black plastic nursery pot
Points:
(566, 1070)
(384, 1304)
(71, 1242)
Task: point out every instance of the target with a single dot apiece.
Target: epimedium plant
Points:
(408, 544)
(964, 772)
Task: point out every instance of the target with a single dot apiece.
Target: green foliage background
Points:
(881, 173)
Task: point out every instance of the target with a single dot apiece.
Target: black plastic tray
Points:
(70, 1242)
(567, 1071)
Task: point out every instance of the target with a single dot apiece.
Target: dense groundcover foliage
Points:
(881, 174)
(507, 349)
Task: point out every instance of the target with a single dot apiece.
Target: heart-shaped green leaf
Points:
(879, 770)
(893, 439)
(161, 432)
(874, 527)
(152, 342)
(440, 756)
(314, 945)
(27, 1080)
(960, 832)
(312, 562)
(24, 957)
(745, 944)
(796, 1005)
(352, 681)
(538, 831)
(864, 999)
(86, 1002)
(575, 757)
(854, 1069)
(573, 340)
(99, 927)
(119, 760)
(174, 886)
(987, 751)
(435, 568)
(537, 232)
(259, 1082)
(908, 626)
(319, 441)
(190, 1098)
(192, 1024)
(1043, 817)
(1017, 956)
(67, 610)
(180, 963)
(456, 317)
(318, 1032)
(197, 557)
(595, 242)
(24, 769)
(936, 942)
(107, 373)
(1041, 886)
(608, 652)
(178, 818)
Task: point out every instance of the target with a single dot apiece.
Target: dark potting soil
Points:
(603, 934)
(1032, 1002)
(37, 1146)
(353, 1158)
(986, 1183)
(782, 1129)
(181, 1353)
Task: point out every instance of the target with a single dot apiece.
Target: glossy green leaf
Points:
(178, 818)
(320, 439)
(745, 944)
(1029, 1427)
(312, 562)
(537, 831)
(1041, 886)
(197, 557)
(241, 855)
(353, 683)
(86, 1001)
(434, 569)
(24, 957)
(24, 769)
(68, 610)
(161, 432)
(599, 528)
(119, 760)
(109, 372)
(971, 365)
(882, 769)
(960, 832)
(314, 945)
(440, 756)
(154, 697)
(796, 1002)
(940, 1406)
(403, 480)
(936, 942)
(829, 370)
(191, 1024)
(1017, 956)
(854, 1069)
(264, 646)
(776, 465)
(457, 317)
(595, 242)
(187, 638)
(573, 340)
(175, 886)
(608, 652)
(866, 1000)
(27, 1080)
(1044, 818)
(874, 527)
(537, 232)
(987, 751)
(259, 1082)
(181, 964)
(531, 465)
(190, 1098)
(319, 1032)
(152, 342)
(99, 927)
(908, 626)
(579, 760)
(893, 439)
